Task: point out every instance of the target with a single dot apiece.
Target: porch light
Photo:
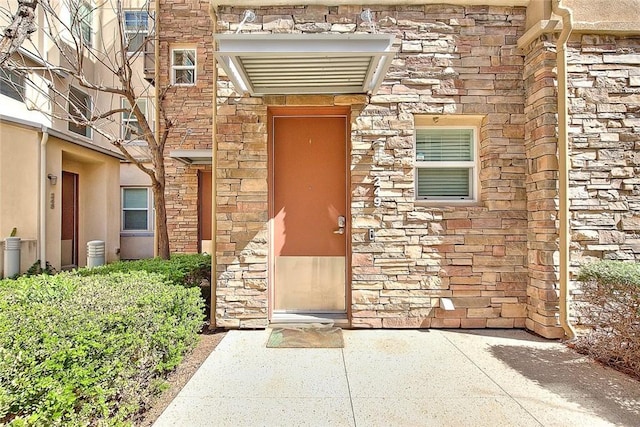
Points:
(53, 180)
(262, 64)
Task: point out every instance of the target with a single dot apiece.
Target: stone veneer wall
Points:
(604, 106)
(186, 23)
(541, 144)
(451, 60)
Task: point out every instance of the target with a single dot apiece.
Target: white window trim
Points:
(89, 134)
(90, 22)
(136, 32)
(19, 87)
(474, 178)
(123, 121)
(149, 209)
(193, 67)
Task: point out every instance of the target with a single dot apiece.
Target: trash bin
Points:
(95, 253)
(11, 256)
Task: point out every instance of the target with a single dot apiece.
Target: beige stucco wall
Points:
(99, 195)
(18, 190)
(135, 245)
(98, 200)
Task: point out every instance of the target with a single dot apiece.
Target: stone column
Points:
(541, 146)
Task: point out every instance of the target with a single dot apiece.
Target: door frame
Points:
(75, 217)
(273, 112)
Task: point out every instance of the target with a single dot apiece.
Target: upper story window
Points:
(131, 129)
(136, 212)
(446, 164)
(79, 109)
(12, 84)
(136, 29)
(82, 21)
(183, 66)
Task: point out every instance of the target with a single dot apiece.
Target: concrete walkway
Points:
(404, 378)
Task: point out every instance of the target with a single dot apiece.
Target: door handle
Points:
(342, 222)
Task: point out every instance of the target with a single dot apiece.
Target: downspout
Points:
(156, 79)
(42, 232)
(563, 163)
(214, 169)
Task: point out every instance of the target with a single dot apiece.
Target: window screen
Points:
(135, 209)
(445, 164)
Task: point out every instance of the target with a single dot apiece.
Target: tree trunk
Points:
(162, 233)
(161, 221)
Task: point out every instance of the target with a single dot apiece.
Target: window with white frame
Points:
(183, 66)
(446, 164)
(12, 84)
(82, 21)
(131, 129)
(136, 29)
(79, 109)
(136, 209)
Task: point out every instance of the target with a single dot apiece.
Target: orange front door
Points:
(309, 213)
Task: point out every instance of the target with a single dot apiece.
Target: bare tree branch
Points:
(21, 27)
(114, 105)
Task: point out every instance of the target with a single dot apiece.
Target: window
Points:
(82, 21)
(183, 66)
(80, 110)
(131, 129)
(446, 164)
(136, 29)
(136, 214)
(12, 84)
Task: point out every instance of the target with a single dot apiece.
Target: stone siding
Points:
(541, 144)
(451, 60)
(189, 108)
(604, 108)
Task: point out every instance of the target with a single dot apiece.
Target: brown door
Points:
(69, 232)
(309, 213)
(204, 211)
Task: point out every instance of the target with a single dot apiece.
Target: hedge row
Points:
(90, 350)
(188, 270)
(610, 308)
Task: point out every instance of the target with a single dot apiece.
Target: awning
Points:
(264, 64)
(192, 157)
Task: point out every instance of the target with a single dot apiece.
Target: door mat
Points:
(306, 337)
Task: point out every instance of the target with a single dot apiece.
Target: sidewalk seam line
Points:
(346, 375)
(493, 381)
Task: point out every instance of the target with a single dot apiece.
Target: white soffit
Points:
(192, 157)
(263, 64)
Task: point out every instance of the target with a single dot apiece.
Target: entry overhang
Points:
(264, 64)
(192, 157)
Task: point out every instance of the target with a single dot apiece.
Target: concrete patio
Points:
(404, 378)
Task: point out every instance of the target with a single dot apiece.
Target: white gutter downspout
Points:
(156, 80)
(42, 237)
(563, 163)
(214, 163)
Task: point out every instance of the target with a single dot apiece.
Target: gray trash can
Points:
(95, 253)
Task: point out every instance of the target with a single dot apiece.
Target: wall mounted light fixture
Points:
(368, 16)
(53, 180)
(247, 16)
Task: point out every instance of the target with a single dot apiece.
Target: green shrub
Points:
(182, 269)
(90, 350)
(188, 270)
(610, 308)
